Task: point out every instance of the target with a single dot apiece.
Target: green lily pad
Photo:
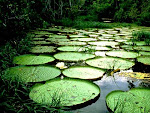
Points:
(38, 39)
(71, 48)
(144, 59)
(142, 48)
(30, 59)
(134, 101)
(77, 36)
(43, 49)
(110, 63)
(101, 48)
(73, 56)
(104, 43)
(57, 36)
(122, 54)
(71, 43)
(139, 48)
(31, 73)
(107, 35)
(57, 39)
(85, 72)
(66, 92)
(144, 53)
(41, 42)
(42, 32)
(135, 42)
(85, 39)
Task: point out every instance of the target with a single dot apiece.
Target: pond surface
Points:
(107, 84)
(72, 47)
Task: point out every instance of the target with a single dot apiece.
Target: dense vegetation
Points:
(19, 16)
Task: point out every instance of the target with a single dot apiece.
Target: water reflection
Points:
(107, 84)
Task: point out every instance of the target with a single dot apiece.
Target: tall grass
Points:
(142, 36)
(14, 96)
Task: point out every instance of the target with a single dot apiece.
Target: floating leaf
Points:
(41, 43)
(43, 49)
(71, 48)
(30, 59)
(144, 53)
(135, 42)
(85, 39)
(71, 43)
(73, 56)
(110, 63)
(104, 43)
(66, 92)
(85, 72)
(122, 54)
(144, 59)
(31, 73)
(139, 48)
(134, 101)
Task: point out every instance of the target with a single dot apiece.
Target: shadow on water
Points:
(106, 84)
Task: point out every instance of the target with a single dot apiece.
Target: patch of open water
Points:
(107, 84)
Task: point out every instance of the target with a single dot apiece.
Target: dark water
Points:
(106, 84)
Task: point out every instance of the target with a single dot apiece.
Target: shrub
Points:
(142, 36)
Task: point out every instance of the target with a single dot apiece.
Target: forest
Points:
(89, 44)
(24, 14)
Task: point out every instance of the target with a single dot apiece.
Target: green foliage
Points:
(80, 24)
(142, 36)
(14, 98)
(12, 49)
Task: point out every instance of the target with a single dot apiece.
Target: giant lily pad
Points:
(73, 56)
(58, 36)
(31, 73)
(30, 59)
(135, 42)
(58, 39)
(71, 43)
(104, 43)
(134, 101)
(110, 63)
(41, 43)
(66, 92)
(85, 72)
(144, 53)
(139, 48)
(71, 48)
(77, 36)
(144, 59)
(43, 49)
(102, 48)
(122, 54)
(85, 39)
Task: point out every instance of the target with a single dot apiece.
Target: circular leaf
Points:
(122, 54)
(104, 43)
(144, 59)
(72, 43)
(110, 63)
(43, 49)
(134, 101)
(73, 56)
(64, 92)
(31, 73)
(71, 48)
(83, 72)
(30, 59)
